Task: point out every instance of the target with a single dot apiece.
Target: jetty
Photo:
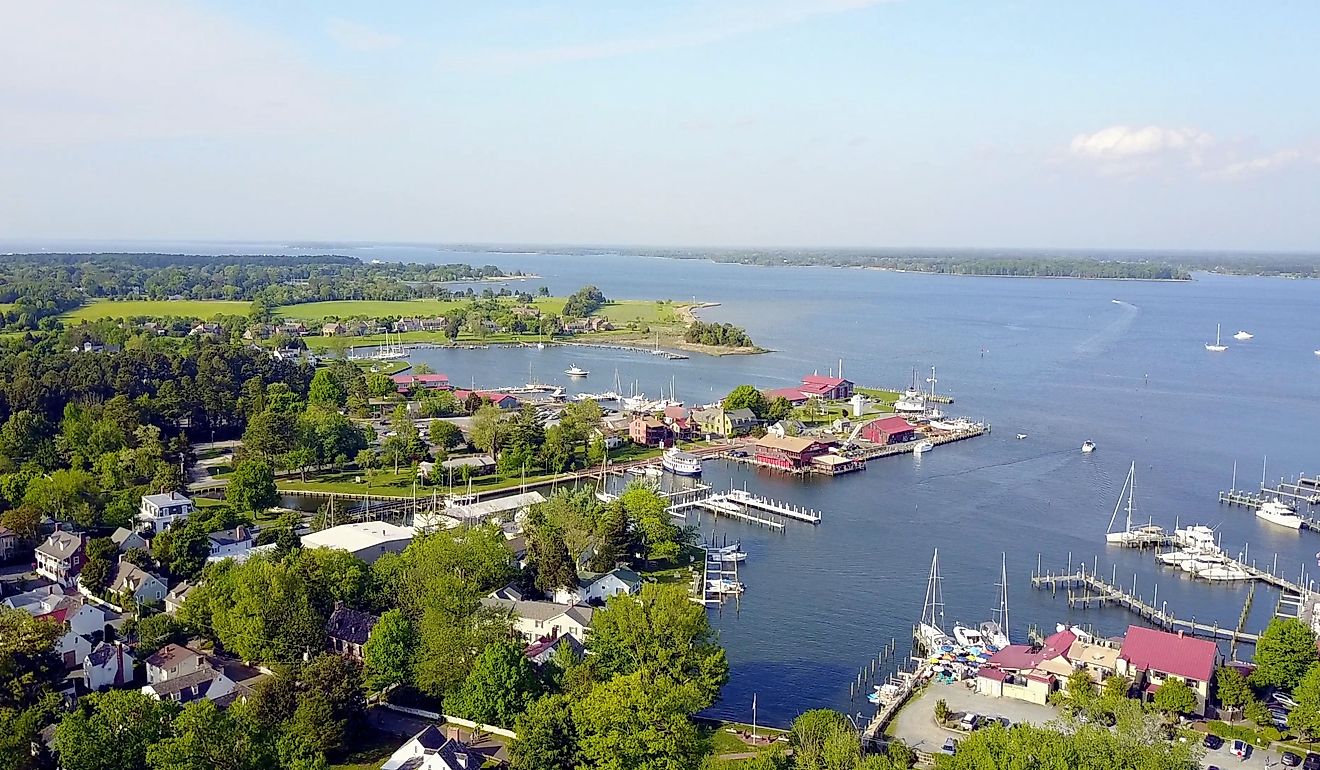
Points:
(750, 500)
(720, 505)
(1253, 501)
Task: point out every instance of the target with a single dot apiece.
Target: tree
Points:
(444, 435)
(548, 555)
(1234, 692)
(1306, 716)
(326, 390)
(547, 736)
(746, 397)
(330, 702)
(1139, 746)
(632, 721)
(270, 434)
(649, 513)
(779, 408)
(1175, 698)
(501, 685)
(1080, 688)
(101, 554)
(28, 663)
(812, 732)
(202, 737)
(664, 636)
(942, 712)
(1256, 711)
(1284, 653)
(252, 486)
(387, 655)
(112, 730)
(489, 429)
(156, 631)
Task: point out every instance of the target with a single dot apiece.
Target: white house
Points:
(233, 543)
(431, 749)
(367, 540)
(160, 511)
(208, 682)
(60, 558)
(173, 660)
(88, 620)
(73, 648)
(108, 665)
(176, 596)
(540, 620)
(597, 587)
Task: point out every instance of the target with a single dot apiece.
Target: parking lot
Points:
(916, 725)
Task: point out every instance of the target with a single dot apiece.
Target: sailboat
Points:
(1128, 535)
(995, 632)
(931, 629)
(388, 351)
(912, 400)
(1217, 347)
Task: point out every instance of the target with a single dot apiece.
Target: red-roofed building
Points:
(889, 430)
(826, 387)
(1027, 672)
(406, 382)
(1150, 658)
(794, 396)
(502, 400)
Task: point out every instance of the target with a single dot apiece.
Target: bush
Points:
(1262, 738)
(942, 712)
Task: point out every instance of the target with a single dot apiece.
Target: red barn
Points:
(789, 452)
(889, 430)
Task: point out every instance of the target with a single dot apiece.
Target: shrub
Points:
(1262, 738)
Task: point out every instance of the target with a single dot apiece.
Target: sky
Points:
(807, 123)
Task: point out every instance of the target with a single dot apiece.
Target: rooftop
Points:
(1175, 654)
(350, 625)
(60, 544)
(357, 536)
(166, 498)
(893, 424)
(171, 655)
(786, 443)
(496, 506)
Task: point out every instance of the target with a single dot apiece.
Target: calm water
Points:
(1062, 363)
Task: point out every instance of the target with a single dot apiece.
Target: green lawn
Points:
(726, 742)
(413, 308)
(878, 394)
(370, 751)
(645, 311)
(186, 308)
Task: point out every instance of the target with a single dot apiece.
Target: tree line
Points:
(726, 335)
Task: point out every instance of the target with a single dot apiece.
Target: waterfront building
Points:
(1027, 672)
(648, 431)
(502, 400)
(718, 421)
(597, 587)
(367, 540)
(408, 382)
(831, 388)
(789, 452)
(889, 430)
(794, 396)
(1149, 658)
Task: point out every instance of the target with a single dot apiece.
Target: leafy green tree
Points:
(501, 685)
(942, 712)
(811, 734)
(1306, 717)
(1079, 690)
(1175, 697)
(664, 636)
(1138, 746)
(746, 397)
(330, 702)
(112, 730)
(68, 494)
(388, 654)
(489, 429)
(252, 486)
(649, 513)
(614, 538)
(270, 434)
(1234, 692)
(260, 610)
(1285, 651)
(202, 737)
(326, 390)
(778, 408)
(156, 631)
(101, 555)
(28, 663)
(548, 556)
(1257, 712)
(19, 733)
(444, 434)
(547, 736)
(632, 721)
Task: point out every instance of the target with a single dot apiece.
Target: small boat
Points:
(1278, 512)
(681, 463)
(922, 447)
(1116, 301)
(1218, 347)
(968, 636)
(540, 346)
(1317, 352)
(1088, 447)
(1021, 436)
(724, 586)
(575, 371)
(728, 553)
(1244, 336)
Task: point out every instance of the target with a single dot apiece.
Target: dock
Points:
(721, 506)
(1100, 592)
(750, 500)
(1253, 501)
(714, 575)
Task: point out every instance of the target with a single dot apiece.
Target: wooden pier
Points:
(1254, 501)
(720, 506)
(749, 500)
(1098, 591)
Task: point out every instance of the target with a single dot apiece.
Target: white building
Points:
(160, 511)
(431, 749)
(60, 558)
(597, 587)
(367, 540)
(73, 649)
(233, 543)
(107, 665)
(539, 620)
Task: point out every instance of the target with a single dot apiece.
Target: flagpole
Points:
(753, 719)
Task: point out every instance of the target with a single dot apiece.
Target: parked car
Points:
(1213, 742)
(969, 722)
(1290, 759)
(1312, 761)
(1241, 749)
(1284, 699)
(950, 746)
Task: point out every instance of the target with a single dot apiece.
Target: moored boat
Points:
(1280, 513)
(922, 447)
(1218, 347)
(681, 463)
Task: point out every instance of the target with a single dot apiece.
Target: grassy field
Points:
(726, 742)
(623, 311)
(369, 308)
(186, 308)
(370, 751)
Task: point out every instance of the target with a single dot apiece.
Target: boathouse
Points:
(889, 430)
(794, 396)
(789, 452)
(832, 388)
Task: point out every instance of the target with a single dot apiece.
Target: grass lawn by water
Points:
(186, 308)
(726, 742)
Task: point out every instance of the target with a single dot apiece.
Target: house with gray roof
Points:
(596, 587)
(126, 540)
(431, 749)
(142, 585)
(348, 629)
(60, 558)
(163, 510)
(536, 620)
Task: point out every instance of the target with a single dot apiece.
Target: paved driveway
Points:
(916, 722)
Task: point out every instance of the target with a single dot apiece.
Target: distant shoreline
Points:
(1189, 279)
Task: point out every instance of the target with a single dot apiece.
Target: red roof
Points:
(676, 412)
(494, 398)
(1023, 657)
(817, 388)
(1146, 648)
(816, 379)
(993, 674)
(891, 425)
(792, 394)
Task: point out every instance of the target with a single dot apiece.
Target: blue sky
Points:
(775, 122)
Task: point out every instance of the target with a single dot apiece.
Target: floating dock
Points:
(749, 500)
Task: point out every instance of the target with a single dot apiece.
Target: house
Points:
(348, 629)
(334, 329)
(60, 558)
(597, 587)
(832, 388)
(8, 544)
(1149, 658)
(794, 396)
(129, 578)
(1027, 672)
(177, 596)
(233, 543)
(431, 749)
(888, 430)
(126, 540)
(502, 400)
(107, 665)
(204, 329)
(292, 329)
(477, 465)
(789, 452)
(73, 648)
(406, 325)
(86, 619)
(367, 540)
(648, 431)
(786, 428)
(174, 660)
(408, 382)
(536, 620)
(434, 324)
(162, 510)
(611, 439)
(207, 682)
(724, 422)
(544, 651)
(258, 332)
(47, 601)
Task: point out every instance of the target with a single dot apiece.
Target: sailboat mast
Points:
(1132, 487)
(1003, 619)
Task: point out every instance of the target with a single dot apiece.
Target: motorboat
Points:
(967, 636)
(540, 346)
(1223, 573)
(922, 447)
(725, 586)
(681, 463)
(1279, 512)
(1088, 447)
(1021, 436)
(1244, 336)
(729, 553)
(1218, 347)
(576, 371)
(956, 424)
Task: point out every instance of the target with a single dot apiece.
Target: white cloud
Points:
(360, 37)
(1123, 143)
(1276, 160)
(89, 71)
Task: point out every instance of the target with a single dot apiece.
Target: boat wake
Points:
(1106, 338)
(979, 468)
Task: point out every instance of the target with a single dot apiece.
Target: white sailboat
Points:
(1243, 336)
(390, 352)
(996, 632)
(931, 629)
(1128, 535)
(1218, 347)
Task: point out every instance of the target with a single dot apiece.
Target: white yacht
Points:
(1218, 347)
(1223, 573)
(1088, 447)
(1278, 512)
(576, 371)
(912, 401)
(681, 463)
(922, 447)
(730, 553)
(1243, 336)
(967, 636)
